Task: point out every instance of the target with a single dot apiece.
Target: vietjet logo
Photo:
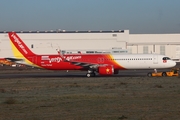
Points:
(72, 58)
(59, 59)
(16, 40)
(52, 59)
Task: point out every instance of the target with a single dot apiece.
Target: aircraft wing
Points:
(85, 64)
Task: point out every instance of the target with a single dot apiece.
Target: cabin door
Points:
(155, 59)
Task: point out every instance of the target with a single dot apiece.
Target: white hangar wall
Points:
(167, 44)
(5, 48)
(47, 43)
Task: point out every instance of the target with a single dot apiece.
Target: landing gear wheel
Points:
(88, 74)
(149, 74)
(164, 74)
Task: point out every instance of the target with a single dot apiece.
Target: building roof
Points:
(64, 31)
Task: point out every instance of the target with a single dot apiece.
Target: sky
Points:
(137, 16)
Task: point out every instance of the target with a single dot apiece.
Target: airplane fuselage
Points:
(119, 61)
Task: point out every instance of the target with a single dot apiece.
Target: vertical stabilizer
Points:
(20, 45)
(22, 54)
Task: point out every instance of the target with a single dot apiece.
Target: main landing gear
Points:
(91, 73)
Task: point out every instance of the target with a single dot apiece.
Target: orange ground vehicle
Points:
(6, 62)
(172, 72)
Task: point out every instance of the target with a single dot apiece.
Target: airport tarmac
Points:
(28, 93)
(9, 72)
(41, 74)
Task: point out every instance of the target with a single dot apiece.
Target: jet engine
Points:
(106, 70)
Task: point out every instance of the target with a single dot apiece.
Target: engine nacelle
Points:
(106, 70)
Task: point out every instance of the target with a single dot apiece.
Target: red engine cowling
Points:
(106, 70)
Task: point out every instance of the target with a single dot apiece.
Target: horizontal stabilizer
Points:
(14, 59)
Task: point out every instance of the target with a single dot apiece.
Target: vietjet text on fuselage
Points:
(104, 64)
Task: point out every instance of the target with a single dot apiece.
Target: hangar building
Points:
(46, 42)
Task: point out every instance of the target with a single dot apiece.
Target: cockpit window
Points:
(166, 58)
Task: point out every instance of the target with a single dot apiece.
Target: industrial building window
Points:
(145, 49)
(114, 35)
(32, 46)
(89, 51)
(162, 50)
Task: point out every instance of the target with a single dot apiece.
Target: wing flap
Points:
(84, 64)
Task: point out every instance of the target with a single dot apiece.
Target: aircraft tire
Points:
(88, 74)
(164, 74)
(149, 74)
(91, 74)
